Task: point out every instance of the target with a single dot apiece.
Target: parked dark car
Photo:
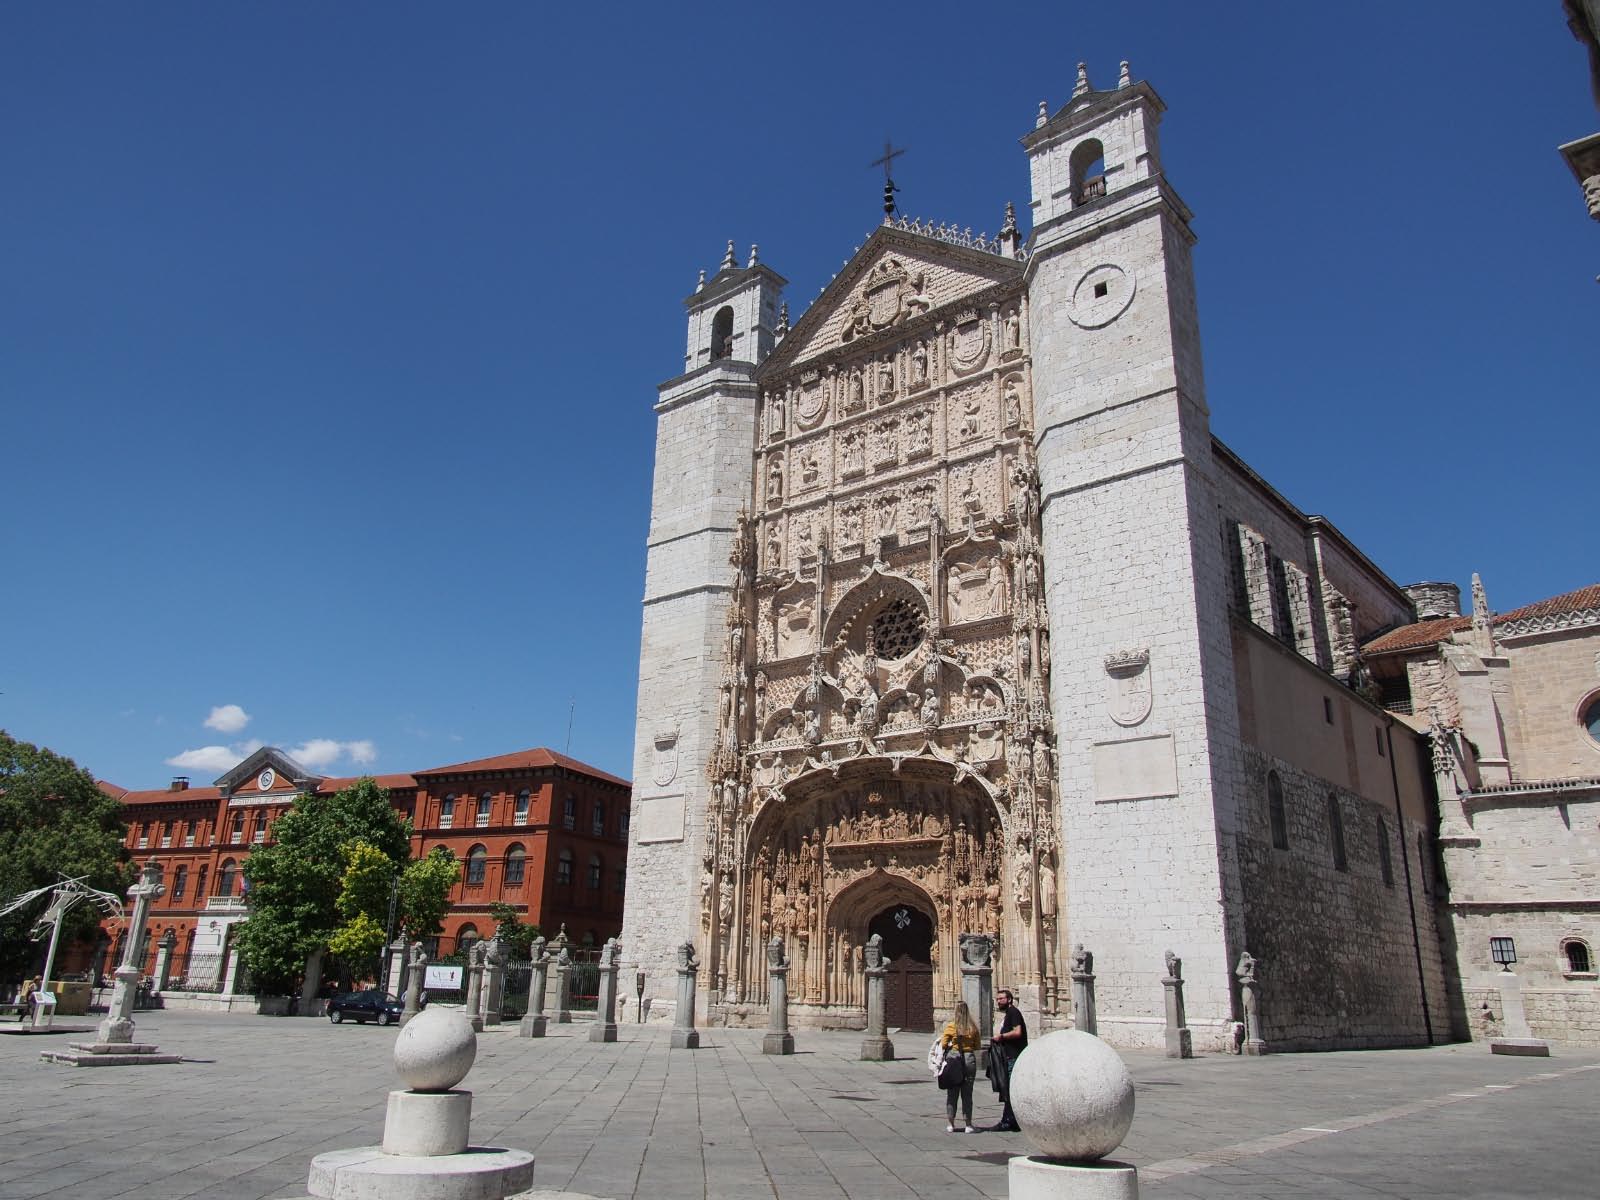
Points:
(370, 1005)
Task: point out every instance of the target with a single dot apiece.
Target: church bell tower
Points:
(705, 433)
(1142, 685)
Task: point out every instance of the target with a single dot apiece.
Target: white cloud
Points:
(207, 758)
(322, 753)
(227, 718)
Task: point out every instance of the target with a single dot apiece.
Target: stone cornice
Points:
(1552, 623)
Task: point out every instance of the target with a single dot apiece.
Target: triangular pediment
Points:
(896, 279)
(286, 774)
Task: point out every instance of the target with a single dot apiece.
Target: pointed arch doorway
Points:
(907, 934)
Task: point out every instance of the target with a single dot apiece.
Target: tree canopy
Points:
(54, 821)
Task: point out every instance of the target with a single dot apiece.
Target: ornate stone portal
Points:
(883, 737)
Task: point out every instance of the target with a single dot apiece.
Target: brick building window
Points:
(569, 812)
(595, 870)
(621, 884)
(144, 837)
(516, 865)
(598, 822)
(200, 882)
(236, 834)
(622, 822)
(1336, 834)
(225, 877)
(1275, 814)
(447, 811)
(180, 878)
(564, 868)
(188, 835)
(485, 807)
(1385, 862)
(477, 865)
(522, 807)
(166, 838)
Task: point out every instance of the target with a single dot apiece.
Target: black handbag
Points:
(952, 1071)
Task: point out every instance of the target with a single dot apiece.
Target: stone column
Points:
(1249, 990)
(563, 988)
(977, 984)
(684, 1035)
(230, 981)
(118, 1025)
(778, 1039)
(1179, 1042)
(494, 982)
(1083, 989)
(169, 942)
(475, 955)
(605, 1020)
(416, 971)
(876, 1046)
(394, 975)
(534, 1021)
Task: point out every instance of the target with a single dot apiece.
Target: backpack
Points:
(952, 1070)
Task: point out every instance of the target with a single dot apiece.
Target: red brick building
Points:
(534, 829)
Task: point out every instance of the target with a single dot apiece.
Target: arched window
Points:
(466, 935)
(477, 864)
(1385, 862)
(522, 807)
(564, 867)
(569, 812)
(225, 877)
(516, 865)
(485, 807)
(1088, 171)
(598, 820)
(1275, 813)
(180, 879)
(1578, 960)
(595, 869)
(722, 334)
(447, 811)
(1336, 833)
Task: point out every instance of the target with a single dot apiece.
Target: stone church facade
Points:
(959, 620)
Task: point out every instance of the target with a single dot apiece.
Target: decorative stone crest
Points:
(1128, 690)
(664, 765)
(969, 342)
(889, 296)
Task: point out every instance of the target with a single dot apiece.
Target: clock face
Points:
(266, 779)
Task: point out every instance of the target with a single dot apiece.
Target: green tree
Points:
(425, 887)
(54, 821)
(296, 882)
(510, 929)
(366, 891)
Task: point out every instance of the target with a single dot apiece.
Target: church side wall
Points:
(1552, 674)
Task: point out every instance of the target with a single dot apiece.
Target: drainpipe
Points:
(1405, 861)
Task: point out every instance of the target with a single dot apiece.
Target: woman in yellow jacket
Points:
(961, 1037)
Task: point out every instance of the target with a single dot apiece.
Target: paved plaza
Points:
(726, 1123)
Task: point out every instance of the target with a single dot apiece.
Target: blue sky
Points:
(329, 334)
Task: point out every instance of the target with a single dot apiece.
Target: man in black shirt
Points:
(1011, 1041)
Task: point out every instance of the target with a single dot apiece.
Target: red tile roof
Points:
(523, 760)
(111, 789)
(1430, 633)
(166, 795)
(391, 782)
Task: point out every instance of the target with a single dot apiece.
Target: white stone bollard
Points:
(1073, 1097)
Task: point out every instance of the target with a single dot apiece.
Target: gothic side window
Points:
(722, 334)
(1275, 814)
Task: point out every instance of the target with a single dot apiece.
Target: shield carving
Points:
(1128, 691)
(664, 768)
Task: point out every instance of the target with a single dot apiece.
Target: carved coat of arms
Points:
(889, 296)
(664, 767)
(1128, 692)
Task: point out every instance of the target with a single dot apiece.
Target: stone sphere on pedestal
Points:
(1072, 1095)
(435, 1050)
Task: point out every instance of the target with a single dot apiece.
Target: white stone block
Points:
(426, 1124)
(1042, 1179)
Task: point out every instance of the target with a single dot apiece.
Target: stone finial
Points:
(1124, 77)
(729, 262)
(1482, 623)
(754, 258)
(1010, 225)
(1044, 115)
(1082, 87)
(700, 284)
(783, 318)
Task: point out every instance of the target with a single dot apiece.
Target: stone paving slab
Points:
(639, 1119)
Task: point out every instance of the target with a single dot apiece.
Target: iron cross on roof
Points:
(889, 189)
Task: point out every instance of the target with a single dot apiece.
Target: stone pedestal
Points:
(1083, 1016)
(1180, 1043)
(164, 951)
(1518, 1037)
(427, 1123)
(494, 982)
(778, 1039)
(563, 988)
(977, 985)
(534, 1020)
(876, 1046)
(684, 1035)
(605, 1023)
(1036, 1178)
(416, 971)
(475, 986)
(394, 975)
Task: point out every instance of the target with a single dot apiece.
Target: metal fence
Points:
(519, 973)
(196, 973)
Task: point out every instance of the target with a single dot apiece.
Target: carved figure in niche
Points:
(854, 458)
(971, 499)
(1011, 402)
(1030, 577)
(705, 898)
(994, 595)
(761, 695)
(1047, 887)
(885, 442)
(917, 301)
(810, 469)
(774, 549)
(858, 398)
(921, 424)
(1024, 652)
(775, 480)
(1041, 757)
(850, 524)
(775, 399)
(930, 709)
(1013, 331)
(813, 725)
(803, 546)
(886, 377)
(1022, 888)
(888, 507)
(971, 408)
(919, 364)
(953, 588)
(1024, 497)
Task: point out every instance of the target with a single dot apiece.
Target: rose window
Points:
(898, 629)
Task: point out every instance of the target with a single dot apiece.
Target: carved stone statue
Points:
(1246, 970)
(775, 480)
(919, 363)
(1082, 961)
(1174, 966)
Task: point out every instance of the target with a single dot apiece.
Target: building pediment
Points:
(894, 280)
(268, 770)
